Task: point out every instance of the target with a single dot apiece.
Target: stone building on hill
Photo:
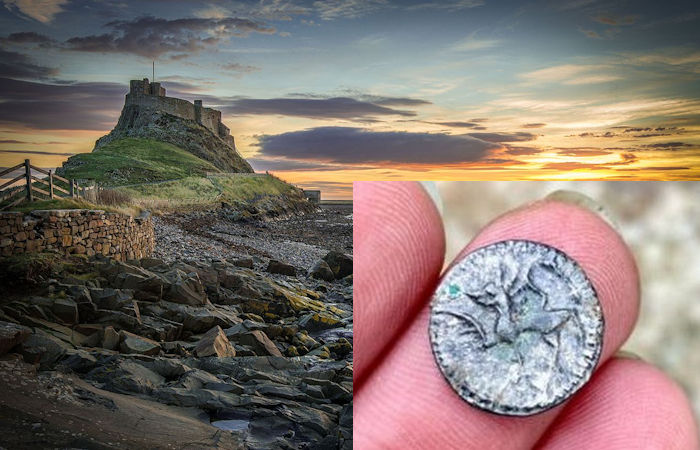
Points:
(152, 95)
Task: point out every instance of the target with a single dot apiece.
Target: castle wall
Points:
(170, 105)
(152, 95)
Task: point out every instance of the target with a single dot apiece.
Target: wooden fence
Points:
(27, 187)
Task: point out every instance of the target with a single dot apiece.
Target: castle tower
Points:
(144, 87)
(198, 111)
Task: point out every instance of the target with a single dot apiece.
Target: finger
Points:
(400, 247)
(407, 397)
(627, 404)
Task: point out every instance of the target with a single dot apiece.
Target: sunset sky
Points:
(325, 92)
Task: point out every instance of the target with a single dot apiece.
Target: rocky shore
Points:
(243, 342)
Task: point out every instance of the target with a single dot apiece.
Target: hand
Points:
(401, 399)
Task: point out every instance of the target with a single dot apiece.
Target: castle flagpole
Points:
(154, 71)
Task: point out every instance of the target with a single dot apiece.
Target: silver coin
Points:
(516, 327)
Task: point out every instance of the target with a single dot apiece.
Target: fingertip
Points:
(628, 404)
(400, 245)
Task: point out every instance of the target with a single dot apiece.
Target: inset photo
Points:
(514, 314)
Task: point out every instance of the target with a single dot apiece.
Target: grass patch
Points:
(202, 192)
(134, 160)
(74, 203)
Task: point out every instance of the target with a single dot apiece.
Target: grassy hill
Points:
(203, 191)
(135, 161)
(149, 174)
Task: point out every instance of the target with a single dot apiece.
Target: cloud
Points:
(655, 168)
(637, 132)
(571, 74)
(213, 12)
(76, 106)
(457, 124)
(582, 152)
(394, 101)
(667, 145)
(268, 10)
(505, 137)
(333, 108)
(37, 152)
(347, 145)
(151, 36)
(237, 67)
(273, 164)
(383, 100)
(520, 151)
(17, 65)
(453, 5)
(625, 159)
(502, 161)
(347, 9)
(16, 141)
(606, 19)
(563, 166)
(43, 11)
(591, 79)
(607, 134)
(472, 44)
(590, 33)
(351, 9)
(534, 125)
(27, 37)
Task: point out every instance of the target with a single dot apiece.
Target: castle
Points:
(152, 95)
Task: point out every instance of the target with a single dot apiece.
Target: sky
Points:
(322, 93)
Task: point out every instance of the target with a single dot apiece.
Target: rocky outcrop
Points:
(141, 121)
(265, 357)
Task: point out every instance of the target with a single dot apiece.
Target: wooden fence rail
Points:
(34, 188)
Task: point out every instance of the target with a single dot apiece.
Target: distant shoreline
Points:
(336, 202)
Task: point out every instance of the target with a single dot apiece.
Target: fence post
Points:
(50, 184)
(28, 172)
(72, 193)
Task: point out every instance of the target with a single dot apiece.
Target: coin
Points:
(516, 327)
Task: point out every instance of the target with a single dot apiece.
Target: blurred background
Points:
(661, 223)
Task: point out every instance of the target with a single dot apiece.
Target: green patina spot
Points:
(454, 290)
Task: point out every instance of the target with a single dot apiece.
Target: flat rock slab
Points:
(133, 343)
(83, 416)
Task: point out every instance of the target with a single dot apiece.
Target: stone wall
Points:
(77, 231)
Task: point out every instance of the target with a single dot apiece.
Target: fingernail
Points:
(582, 200)
(627, 355)
(434, 194)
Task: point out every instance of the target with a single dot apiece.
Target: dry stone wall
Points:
(77, 231)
